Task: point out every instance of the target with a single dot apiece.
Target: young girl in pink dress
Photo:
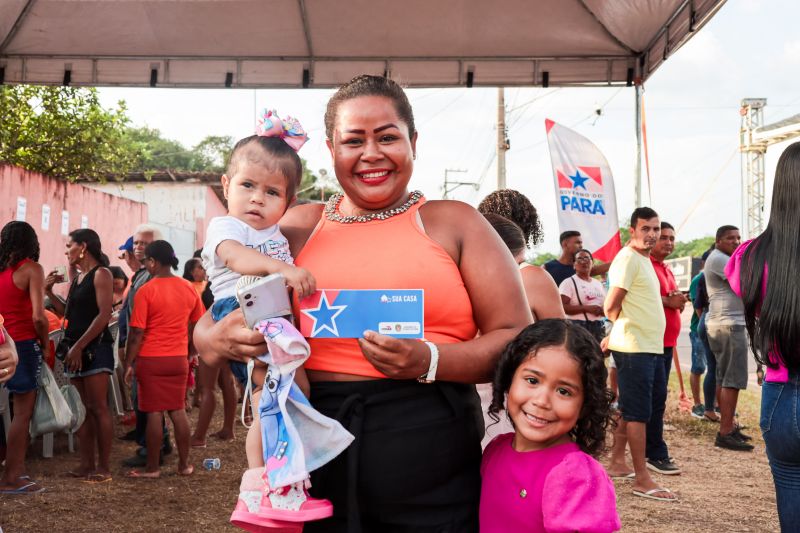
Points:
(551, 380)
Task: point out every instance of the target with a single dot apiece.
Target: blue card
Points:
(345, 314)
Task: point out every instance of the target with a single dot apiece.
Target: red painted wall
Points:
(214, 208)
(112, 217)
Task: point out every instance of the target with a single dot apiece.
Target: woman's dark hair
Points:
(508, 231)
(162, 252)
(590, 431)
(118, 273)
(516, 207)
(280, 157)
(773, 317)
(367, 85)
(583, 251)
(91, 239)
(188, 266)
(18, 241)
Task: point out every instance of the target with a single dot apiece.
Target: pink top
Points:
(556, 489)
(733, 273)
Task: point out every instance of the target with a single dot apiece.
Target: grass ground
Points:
(719, 490)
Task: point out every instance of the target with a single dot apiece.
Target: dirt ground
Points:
(719, 490)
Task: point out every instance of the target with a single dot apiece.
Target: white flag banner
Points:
(585, 196)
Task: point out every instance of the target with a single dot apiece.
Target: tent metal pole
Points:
(638, 165)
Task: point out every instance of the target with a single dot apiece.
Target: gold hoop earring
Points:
(80, 256)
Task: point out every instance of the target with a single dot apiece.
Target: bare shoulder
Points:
(450, 211)
(298, 223)
(103, 275)
(538, 275)
(31, 267)
(301, 216)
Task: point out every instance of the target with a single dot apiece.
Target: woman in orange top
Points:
(414, 464)
(165, 311)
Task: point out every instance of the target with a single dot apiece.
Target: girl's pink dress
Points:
(556, 489)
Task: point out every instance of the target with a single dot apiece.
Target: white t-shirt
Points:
(592, 293)
(269, 241)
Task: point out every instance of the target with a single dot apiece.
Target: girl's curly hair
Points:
(590, 431)
(516, 207)
(18, 241)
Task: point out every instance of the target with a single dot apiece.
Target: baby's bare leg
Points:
(255, 454)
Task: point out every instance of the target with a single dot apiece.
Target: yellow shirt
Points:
(640, 324)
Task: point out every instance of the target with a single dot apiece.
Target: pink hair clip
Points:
(288, 129)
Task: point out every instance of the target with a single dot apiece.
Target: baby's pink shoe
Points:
(293, 504)
(261, 511)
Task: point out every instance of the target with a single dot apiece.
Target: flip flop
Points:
(143, 475)
(651, 494)
(97, 478)
(76, 475)
(624, 477)
(204, 445)
(28, 488)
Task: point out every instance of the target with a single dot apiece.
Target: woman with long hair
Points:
(165, 310)
(763, 272)
(91, 355)
(22, 308)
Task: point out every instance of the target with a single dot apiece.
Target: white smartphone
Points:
(263, 297)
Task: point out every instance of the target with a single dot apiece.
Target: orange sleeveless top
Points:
(385, 254)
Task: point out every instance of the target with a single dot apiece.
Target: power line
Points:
(707, 190)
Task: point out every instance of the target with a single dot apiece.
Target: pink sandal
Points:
(262, 510)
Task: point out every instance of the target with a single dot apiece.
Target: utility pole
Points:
(502, 140)
(450, 186)
(638, 166)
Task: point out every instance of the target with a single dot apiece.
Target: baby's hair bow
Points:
(288, 129)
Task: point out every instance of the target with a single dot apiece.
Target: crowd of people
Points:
(577, 354)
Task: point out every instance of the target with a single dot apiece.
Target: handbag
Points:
(595, 327)
(73, 398)
(51, 413)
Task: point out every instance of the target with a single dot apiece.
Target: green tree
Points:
(315, 188)
(155, 153)
(212, 153)
(693, 248)
(63, 132)
(541, 259)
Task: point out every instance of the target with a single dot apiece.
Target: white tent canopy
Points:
(324, 43)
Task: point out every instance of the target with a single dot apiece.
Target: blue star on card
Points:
(578, 180)
(324, 316)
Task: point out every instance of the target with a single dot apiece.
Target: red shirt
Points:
(163, 308)
(16, 306)
(667, 284)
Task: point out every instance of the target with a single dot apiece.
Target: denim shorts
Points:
(729, 344)
(103, 362)
(220, 310)
(698, 354)
(635, 376)
(26, 378)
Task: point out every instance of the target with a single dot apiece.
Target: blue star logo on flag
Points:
(324, 316)
(578, 180)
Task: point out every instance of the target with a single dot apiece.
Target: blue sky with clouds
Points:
(750, 49)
